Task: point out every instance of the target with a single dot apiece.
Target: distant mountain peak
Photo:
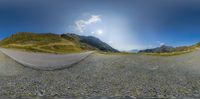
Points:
(168, 49)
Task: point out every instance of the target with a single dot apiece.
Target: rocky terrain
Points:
(131, 75)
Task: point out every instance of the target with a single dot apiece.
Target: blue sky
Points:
(124, 24)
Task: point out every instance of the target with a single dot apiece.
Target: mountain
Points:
(160, 49)
(54, 43)
(91, 41)
(169, 49)
(133, 51)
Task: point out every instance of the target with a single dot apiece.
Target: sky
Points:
(123, 24)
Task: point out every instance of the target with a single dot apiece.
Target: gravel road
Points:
(107, 75)
(45, 61)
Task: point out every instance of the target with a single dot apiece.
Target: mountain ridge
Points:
(92, 41)
(55, 43)
(170, 49)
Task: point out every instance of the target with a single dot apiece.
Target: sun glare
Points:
(99, 32)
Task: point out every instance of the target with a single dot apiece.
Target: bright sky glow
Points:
(123, 24)
(99, 32)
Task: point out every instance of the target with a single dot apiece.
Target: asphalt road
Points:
(45, 61)
(107, 75)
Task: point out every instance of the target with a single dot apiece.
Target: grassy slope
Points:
(50, 43)
(178, 52)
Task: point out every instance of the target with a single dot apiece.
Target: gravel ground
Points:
(107, 75)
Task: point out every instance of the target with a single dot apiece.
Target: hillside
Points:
(54, 43)
(169, 50)
(161, 49)
(89, 41)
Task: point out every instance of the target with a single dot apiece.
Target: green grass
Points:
(171, 53)
(59, 49)
(27, 38)
(48, 43)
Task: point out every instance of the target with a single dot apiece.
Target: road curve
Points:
(43, 61)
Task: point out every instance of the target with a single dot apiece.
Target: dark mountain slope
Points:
(91, 41)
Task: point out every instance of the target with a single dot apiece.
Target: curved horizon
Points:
(125, 25)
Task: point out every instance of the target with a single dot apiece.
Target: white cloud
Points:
(81, 24)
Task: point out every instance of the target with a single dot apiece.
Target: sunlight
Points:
(99, 32)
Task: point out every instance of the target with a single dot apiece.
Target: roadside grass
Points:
(56, 49)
